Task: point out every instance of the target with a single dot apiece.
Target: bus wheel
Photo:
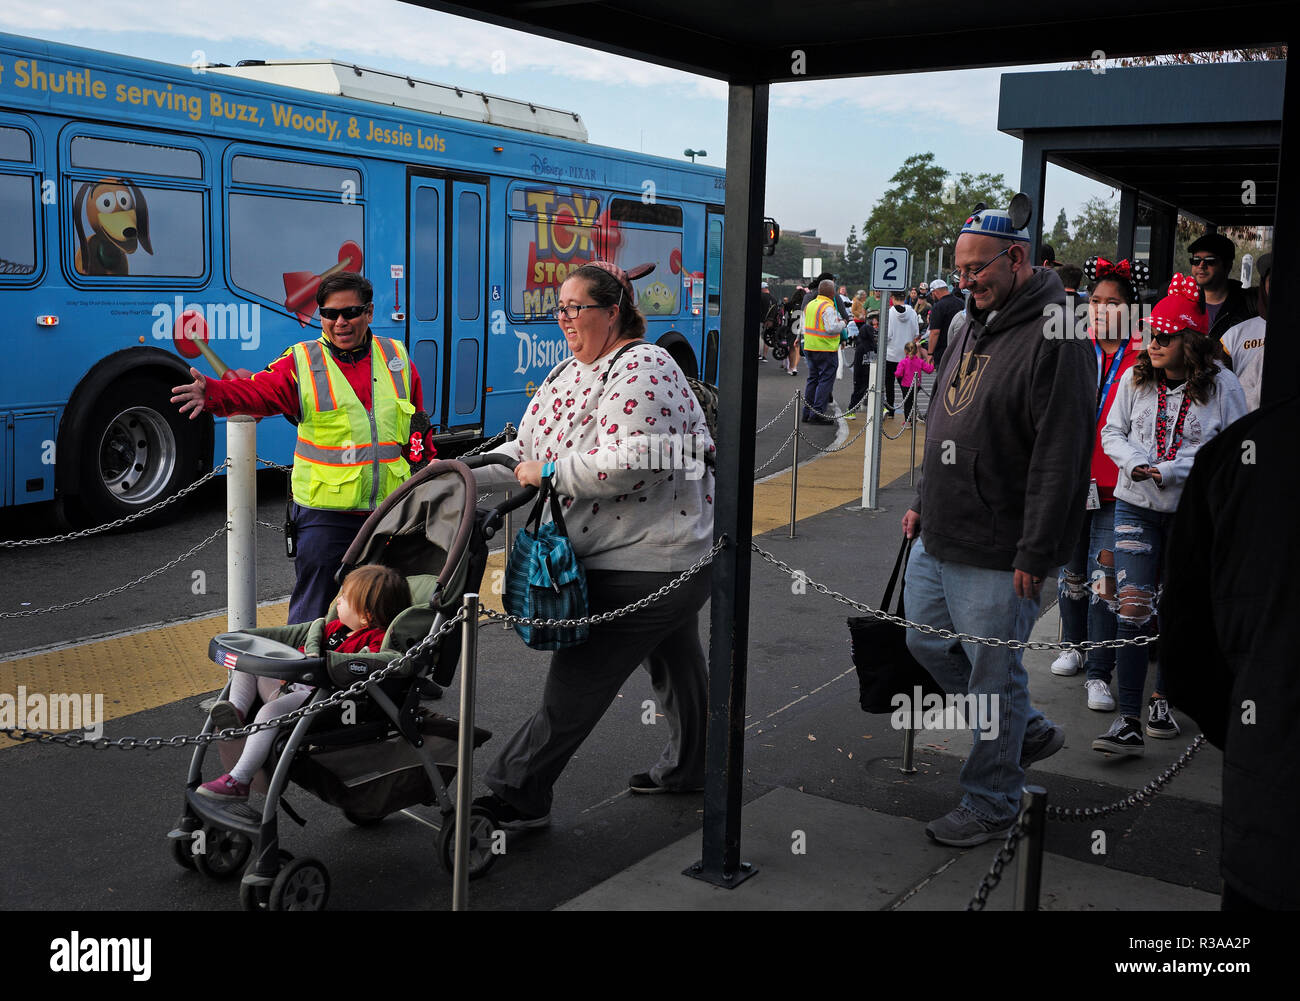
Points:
(135, 449)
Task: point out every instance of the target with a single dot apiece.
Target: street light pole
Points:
(693, 153)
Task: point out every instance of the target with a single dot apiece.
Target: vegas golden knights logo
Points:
(965, 383)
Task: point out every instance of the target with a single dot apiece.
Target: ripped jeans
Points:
(1086, 591)
(1140, 536)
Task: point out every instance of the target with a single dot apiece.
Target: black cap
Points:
(1263, 266)
(1217, 244)
(1048, 253)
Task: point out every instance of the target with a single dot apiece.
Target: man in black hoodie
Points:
(1001, 496)
(1210, 259)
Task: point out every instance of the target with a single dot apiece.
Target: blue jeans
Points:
(970, 599)
(821, 378)
(1140, 536)
(1085, 614)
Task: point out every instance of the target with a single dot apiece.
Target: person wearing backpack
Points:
(623, 439)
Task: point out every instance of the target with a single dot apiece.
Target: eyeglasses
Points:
(1164, 338)
(572, 312)
(347, 312)
(1209, 262)
(968, 275)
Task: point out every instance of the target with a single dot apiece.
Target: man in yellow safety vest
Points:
(822, 326)
(353, 395)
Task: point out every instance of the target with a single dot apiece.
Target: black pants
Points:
(890, 368)
(909, 399)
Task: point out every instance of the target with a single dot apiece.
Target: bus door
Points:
(447, 319)
(712, 294)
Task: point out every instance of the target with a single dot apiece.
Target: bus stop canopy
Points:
(754, 43)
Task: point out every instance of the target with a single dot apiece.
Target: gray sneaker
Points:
(962, 829)
(1043, 746)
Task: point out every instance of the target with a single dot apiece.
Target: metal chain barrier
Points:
(1141, 797)
(840, 448)
(124, 587)
(947, 634)
(994, 876)
(272, 527)
(87, 532)
(783, 412)
(618, 613)
(777, 454)
(72, 739)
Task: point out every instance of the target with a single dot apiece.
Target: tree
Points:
(925, 207)
(1060, 234)
(854, 272)
(788, 259)
(1188, 58)
(1096, 233)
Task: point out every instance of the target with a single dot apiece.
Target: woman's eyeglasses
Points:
(347, 312)
(572, 312)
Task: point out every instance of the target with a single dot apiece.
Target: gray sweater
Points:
(1009, 437)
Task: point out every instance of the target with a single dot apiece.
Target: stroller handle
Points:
(497, 514)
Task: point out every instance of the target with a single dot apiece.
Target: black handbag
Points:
(884, 664)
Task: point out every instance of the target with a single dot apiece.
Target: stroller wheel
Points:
(362, 819)
(182, 850)
(482, 830)
(254, 898)
(302, 885)
(224, 853)
(780, 351)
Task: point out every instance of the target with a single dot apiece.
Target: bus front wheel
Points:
(135, 449)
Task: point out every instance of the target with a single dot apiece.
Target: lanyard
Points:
(1162, 422)
(1103, 388)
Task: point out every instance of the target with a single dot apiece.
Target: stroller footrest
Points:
(434, 724)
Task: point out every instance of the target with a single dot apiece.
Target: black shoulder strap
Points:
(617, 355)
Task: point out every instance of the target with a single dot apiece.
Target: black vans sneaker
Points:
(507, 817)
(1123, 737)
(1160, 721)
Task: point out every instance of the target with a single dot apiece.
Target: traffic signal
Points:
(771, 236)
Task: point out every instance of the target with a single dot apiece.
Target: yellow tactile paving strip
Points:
(155, 667)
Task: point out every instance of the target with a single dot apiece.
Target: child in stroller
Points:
(372, 596)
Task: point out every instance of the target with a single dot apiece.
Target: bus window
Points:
(18, 234)
(127, 229)
(283, 174)
(424, 255)
(469, 295)
(658, 293)
(553, 231)
(93, 153)
(714, 265)
(272, 237)
(652, 214)
(15, 144)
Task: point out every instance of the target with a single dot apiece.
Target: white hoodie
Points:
(1129, 436)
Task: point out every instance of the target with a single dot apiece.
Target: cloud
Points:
(378, 32)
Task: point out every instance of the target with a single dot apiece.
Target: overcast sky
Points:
(833, 145)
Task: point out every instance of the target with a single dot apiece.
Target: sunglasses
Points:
(1163, 339)
(347, 312)
(1209, 262)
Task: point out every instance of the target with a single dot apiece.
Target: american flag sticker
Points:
(230, 660)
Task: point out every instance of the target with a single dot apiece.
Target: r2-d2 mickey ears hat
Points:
(1009, 224)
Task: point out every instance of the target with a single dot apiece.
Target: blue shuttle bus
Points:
(142, 202)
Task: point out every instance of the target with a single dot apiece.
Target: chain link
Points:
(87, 532)
(181, 740)
(275, 465)
(777, 454)
(947, 634)
(1142, 796)
(783, 412)
(272, 527)
(617, 613)
(839, 448)
(124, 587)
(1000, 861)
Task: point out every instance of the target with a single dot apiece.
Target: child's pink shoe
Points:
(224, 788)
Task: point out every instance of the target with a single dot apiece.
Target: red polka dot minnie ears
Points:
(1135, 273)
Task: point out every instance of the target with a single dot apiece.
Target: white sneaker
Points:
(1068, 663)
(1099, 696)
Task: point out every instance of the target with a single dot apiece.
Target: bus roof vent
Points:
(400, 91)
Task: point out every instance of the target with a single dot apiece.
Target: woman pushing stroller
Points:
(620, 435)
(371, 597)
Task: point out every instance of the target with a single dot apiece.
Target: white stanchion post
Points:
(241, 513)
(872, 413)
(871, 459)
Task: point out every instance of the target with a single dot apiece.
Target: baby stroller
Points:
(377, 753)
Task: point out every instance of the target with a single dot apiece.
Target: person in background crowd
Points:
(864, 353)
(1070, 278)
(909, 377)
(998, 506)
(1244, 343)
(946, 306)
(1047, 256)
(900, 329)
(1226, 302)
(766, 310)
(1174, 399)
(1087, 582)
(822, 328)
(1226, 594)
(794, 314)
(923, 307)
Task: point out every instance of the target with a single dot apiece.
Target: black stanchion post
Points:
(1029, 871)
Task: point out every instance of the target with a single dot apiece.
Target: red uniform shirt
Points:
(274, 390)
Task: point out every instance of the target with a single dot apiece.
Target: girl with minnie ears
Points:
(1176, 397)
(1087, 581)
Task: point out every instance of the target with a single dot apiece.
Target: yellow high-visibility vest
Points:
(815, 337)
(348, 458)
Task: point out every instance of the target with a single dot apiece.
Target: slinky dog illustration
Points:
(119, 222)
